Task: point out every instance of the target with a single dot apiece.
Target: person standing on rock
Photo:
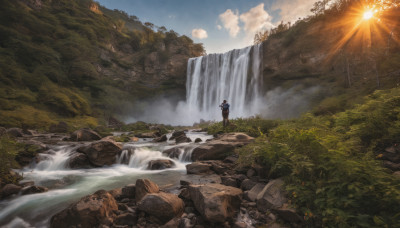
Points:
(225, 113)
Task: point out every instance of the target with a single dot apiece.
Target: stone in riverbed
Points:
(101, 153)
(216, 202)
(253, 193)
(199, 168)
(197, 140)
(85, 134)
(162, 138)
(177, 134)
(90, 211)
(10, 189)
(164, 206)
(182, 139)
(129, 191)
(79, 161)
(272, 196)
(33, 189)
(144, 187)
(174, 152)
(160, 164)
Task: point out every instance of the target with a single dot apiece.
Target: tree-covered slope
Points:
(75, 60)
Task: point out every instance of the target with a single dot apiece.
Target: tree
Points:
(261, 36)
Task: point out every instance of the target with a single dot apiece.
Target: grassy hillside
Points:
(76, 61)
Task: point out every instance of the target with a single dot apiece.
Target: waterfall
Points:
(234, 76)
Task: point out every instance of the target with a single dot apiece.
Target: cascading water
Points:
(234, 76)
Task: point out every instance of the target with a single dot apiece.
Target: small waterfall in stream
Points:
(234, 76)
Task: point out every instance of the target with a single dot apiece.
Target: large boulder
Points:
(177, 134)
(199, 168)
(160, 164)
(162, 138)
(216, 202)
(174, 152)
(31, 150)
(164, 206)
(221, 147)
(129, 191)
(182, 139)
(78, 161)
(33, 189)
(10, 189)
(61, 127)
(272, 196)
(144, 187)
(90, 211)
(252, 194)
(15, 132)
(101, 153)
(85, 134)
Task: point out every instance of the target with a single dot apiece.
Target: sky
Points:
(221, 25)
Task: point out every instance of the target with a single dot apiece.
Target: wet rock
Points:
(61, 127)
(79, 161)
(289, 215)
(221, 147)
(173, 223)
(160, 164)
(33, 189)
(184, 194)
(164, 206)
(247, 184)
(184, 183)
(216, 202)
(199, 168)
(197, 140)
(253, 193)
(101, 153)
(162, 138)
(129, 219)
(391, 165)
(129, 191)
(177, 134)
(144, 187)
(90, 211)
(229, 181)
(182, 139)
(251, 173)
(10, 189)
(15, 132)
(272, 196)
(85, 134)
(116, 193)
(174, 152)
(31, 150)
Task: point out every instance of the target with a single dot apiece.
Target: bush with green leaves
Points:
(8, 150)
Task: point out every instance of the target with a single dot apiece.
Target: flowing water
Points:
(68, 185)
(234, 76)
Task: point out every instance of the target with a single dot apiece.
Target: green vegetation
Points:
(71, 60)
(8, 150)
(329, 162)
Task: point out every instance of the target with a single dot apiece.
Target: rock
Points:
(397, 174)
(173, 223)
(199, 168)
(85, 134)
(231, 159)
(176, 134)
(10, 189)
(247, 184)
(33, 189)
(101, 153)
(240, 225)
(184, 194)
(148, 135)
(3, 131)
(143, 187)
(289, 215)
(162, 138)
(79, 161)
(261, 171)
(14, 132)
(160, 164)
(201, 178)
(182, 139)
(184, 183)
(251, 173)
(129, 191)
(391, 165)
(61, 127)
(392, 154)
(90, 211)
(129, 219)
(254, 191)
(216, 202)
(174, 152)
(221, 147)
(272, 196)
(116, 193)
(164, 206)
(31, 150)
(197, 140)
(229, 181)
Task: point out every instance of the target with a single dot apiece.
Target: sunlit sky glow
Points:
(220, 25)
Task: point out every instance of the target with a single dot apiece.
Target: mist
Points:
(278, 103)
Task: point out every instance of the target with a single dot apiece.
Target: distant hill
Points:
(76, 61)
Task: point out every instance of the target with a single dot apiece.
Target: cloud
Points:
(291, 10)
(199, 33)
(230, 20)
(256, 19)
(219, 27)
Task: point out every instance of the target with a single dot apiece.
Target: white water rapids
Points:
(68, 185)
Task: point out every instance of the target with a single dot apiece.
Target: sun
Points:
(368, 14)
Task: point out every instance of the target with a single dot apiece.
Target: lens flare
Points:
(367, 15)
